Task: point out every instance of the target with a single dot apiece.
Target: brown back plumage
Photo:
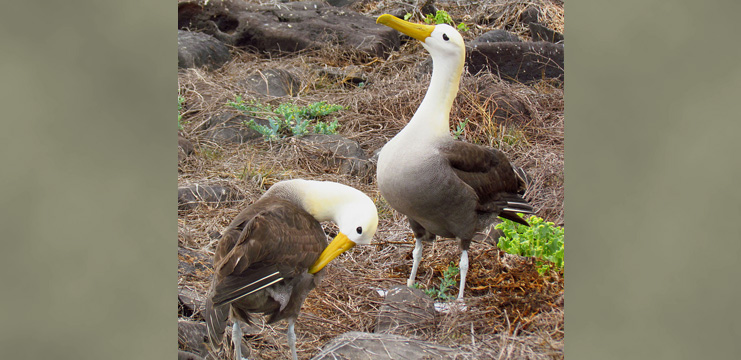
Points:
(261, 262)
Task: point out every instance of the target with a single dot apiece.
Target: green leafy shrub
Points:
(287, 119)
(541, 240)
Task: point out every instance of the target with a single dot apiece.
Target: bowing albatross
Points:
(273, 252)
(445, 187)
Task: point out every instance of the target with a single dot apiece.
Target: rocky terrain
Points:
(269, 53)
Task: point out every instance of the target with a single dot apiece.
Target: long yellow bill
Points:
(417, 31)
(339, 244)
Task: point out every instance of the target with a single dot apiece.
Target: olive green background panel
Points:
(652, 180)
(89, 174)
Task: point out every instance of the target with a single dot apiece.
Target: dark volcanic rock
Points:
(404, 309)
(530, 15)
(341, 153)
(229, 127)
(185, 148)
(506, 106)
(497, 35)
(214, 195)
(520, 62)
(192, 337)
(341, 3)
(184, 355)
(190, 302)
(359, 345)
(273, 82)
(542, 33)
(198, 49)
(288, 27)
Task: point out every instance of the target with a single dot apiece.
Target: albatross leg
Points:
(417, 256)
(420, 234)
(237, 340)
(463, 266)
(291, 336)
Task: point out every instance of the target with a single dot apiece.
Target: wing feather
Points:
(489, 173)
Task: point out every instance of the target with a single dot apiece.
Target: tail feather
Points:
(233, 288)
(216, 317)
(516, 204)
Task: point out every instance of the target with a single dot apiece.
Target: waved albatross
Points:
(273, 252)
(445, 187)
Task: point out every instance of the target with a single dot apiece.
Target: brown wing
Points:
(491, 176)
(280, 240)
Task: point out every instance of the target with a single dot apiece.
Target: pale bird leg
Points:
(237, 340)
(417, 256)
(463, 265)
(291, 336)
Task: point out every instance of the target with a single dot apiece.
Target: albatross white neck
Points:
(433, 115)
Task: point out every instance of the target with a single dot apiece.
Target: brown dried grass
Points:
(512, 312)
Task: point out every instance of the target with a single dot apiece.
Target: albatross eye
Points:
(359, 230)
(445, 37)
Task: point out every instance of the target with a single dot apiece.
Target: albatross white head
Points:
(448, 52)
(353, 212)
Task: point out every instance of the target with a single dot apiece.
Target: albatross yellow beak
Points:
(338, 245)
(417, 31)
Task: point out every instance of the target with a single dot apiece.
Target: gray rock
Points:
(273, 82)
(184, 355)
(405, 309)
(341, 3)
(288, 27)
(341, 153)
(505, 105)
(192, 337)
(541, 33)
(530, 15)
(213, 195)
(361, 346)
(185, 148)
(198, 49)
(518, 62)
(230, 127)
(497, 35)
(190, 303)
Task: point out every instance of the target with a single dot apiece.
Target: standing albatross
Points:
(272, 254)
(445, 187)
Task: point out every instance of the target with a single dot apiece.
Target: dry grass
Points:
(512, 312)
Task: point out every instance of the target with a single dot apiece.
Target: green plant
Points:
(446, 282)
(270, 132)
(287, 119)
(326, 128)
(181, 101)
(460, 128)
(442, 17)
(541, 240)
(319, 109)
